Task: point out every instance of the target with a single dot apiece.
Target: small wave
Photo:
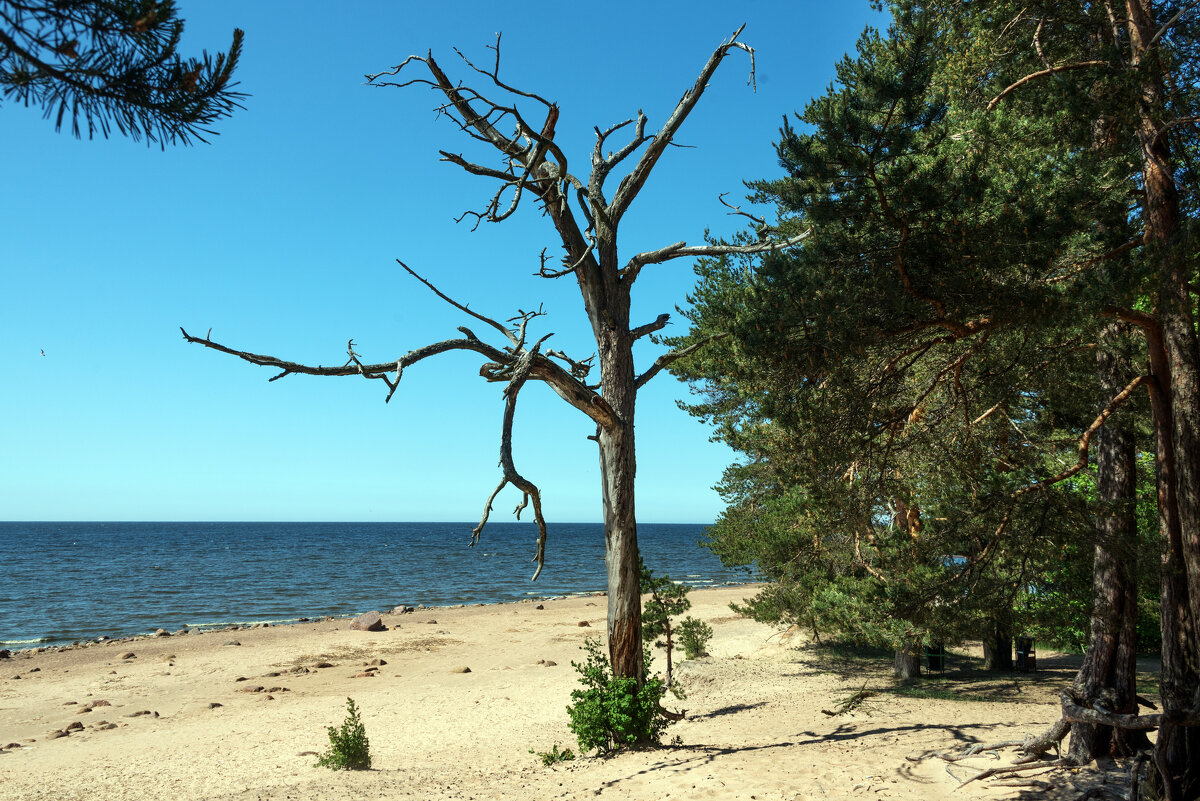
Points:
(226, 623)
(25, 642)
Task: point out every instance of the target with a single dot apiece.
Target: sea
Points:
(62, 583)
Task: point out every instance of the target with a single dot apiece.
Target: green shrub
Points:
(554, 756)
(694, 636)
(348, 746)
(611, 713)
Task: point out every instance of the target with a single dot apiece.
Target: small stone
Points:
(431, 622)
(324, 665)
(271, 675)
(268, 697)
(129, 655)
(161, 633)
(16, 677)
(550, 663)
(460, 669)
(231, 642)
(367, 621)
(5, 653)
(277, 689)
(83, 709)
(74, 726)
(308, 753)
(13, 745)
(364, 675)
(138, 714)
(539, 606)
(214, 705)
(94, 704)
(377, 662)
(240, 678)
(584, 624)
(54, 735)
(69, 703)
(257, 688)
(104, 726)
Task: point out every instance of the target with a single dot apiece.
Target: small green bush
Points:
(611, 713)
(554, 756)
(348, 746)
(694, 636)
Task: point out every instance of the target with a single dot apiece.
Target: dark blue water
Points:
(61, 582)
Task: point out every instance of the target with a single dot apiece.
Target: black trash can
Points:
(1026, 655)
(935, 656)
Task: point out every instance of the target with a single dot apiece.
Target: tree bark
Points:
(1108, 675)
(1178, 747)
(908, 661)
(998, 647)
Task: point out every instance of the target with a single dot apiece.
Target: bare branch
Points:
(737, 211)
(673, 356)
(1083, 265)
(508, 332)
(681, 250)
(1169, 23)
(649, 328)
(522, 370)
(1088, 433)
(1040, 74)
(632, 183)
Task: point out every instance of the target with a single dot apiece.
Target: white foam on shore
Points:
(25, 642)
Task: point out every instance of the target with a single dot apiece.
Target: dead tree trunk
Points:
(534, 168)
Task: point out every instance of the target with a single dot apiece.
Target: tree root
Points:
(1011, 771)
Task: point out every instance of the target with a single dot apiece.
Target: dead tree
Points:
(586, 214)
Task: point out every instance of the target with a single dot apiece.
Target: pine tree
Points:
(99, 65)
(984, 190)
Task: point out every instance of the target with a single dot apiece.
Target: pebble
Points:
(129, 655)
(231, 642)
(584, 624)
(75, 726)
(460, 669)
(257, 688)
(214, 705)
(324, 665)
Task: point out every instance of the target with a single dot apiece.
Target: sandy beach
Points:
(241, 714)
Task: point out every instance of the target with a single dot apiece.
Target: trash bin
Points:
(1026, 655)
(935, 655)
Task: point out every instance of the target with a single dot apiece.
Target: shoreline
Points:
(48, 647)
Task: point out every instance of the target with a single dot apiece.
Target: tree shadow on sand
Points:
(964, 678)
(693, 756)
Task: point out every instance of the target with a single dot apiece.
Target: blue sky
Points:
(282, 234)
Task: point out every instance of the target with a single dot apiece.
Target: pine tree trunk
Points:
(1177, 748)
(998, 647)
(908, 662)
(1109, 670)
